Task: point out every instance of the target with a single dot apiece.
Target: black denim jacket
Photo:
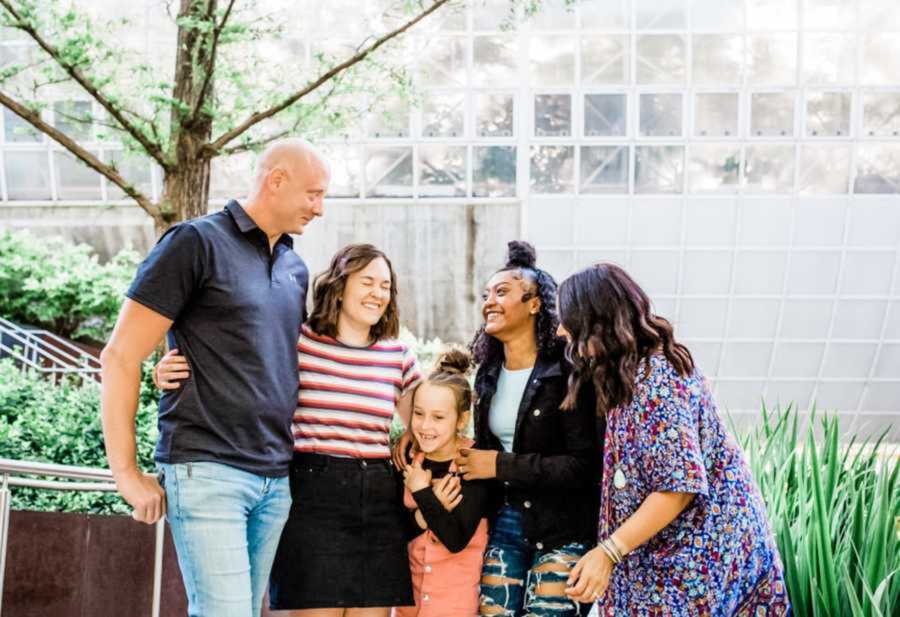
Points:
(553, 473)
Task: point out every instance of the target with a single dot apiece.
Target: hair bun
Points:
(455, 361)
(520, 254)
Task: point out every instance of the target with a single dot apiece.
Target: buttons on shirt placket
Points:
(536, 412)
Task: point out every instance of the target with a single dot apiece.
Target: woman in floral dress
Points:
(683, 528)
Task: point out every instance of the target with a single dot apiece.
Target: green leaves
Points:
(60, 286)
(832, 507)
(60, 423)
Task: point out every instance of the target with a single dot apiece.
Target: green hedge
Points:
(60, 423)
(62, 286)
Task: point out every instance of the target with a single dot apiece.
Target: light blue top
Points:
(505, 405)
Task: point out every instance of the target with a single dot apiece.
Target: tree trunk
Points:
(185, 193)
(186, 184)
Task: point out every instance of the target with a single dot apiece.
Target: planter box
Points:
(86, 565)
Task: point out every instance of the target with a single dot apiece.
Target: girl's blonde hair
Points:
(451, 371)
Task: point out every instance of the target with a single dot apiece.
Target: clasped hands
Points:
(447, 489)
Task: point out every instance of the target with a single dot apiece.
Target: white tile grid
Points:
(662, 24)
(828, 335)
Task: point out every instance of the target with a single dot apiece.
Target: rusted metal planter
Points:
(86, 565)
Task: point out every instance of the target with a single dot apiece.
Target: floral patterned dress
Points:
(718, 557)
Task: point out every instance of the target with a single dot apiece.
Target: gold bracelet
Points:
(608, 554)
(618, 546)
(615, 549)
(610, 551)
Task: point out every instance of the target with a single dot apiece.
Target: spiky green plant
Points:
(834, 509)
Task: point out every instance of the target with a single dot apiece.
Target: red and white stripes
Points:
(348, 395)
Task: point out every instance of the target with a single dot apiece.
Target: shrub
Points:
(834, 511)
(426, 352)
(60, 423)
(61, 286)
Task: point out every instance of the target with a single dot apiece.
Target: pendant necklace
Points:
(619, 479)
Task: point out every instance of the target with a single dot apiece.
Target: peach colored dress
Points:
(444, 583)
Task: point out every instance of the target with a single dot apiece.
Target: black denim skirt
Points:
(343, 544)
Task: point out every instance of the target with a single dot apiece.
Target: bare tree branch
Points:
(211, 61)
(34, 119)
(258, 117)
(153, 149)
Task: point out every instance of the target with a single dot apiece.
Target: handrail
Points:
(62, 344)
(87, 479)
(61, 353)
(38, 337)
(69, 472)
(58, 369)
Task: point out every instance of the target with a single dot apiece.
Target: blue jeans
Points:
(226, 524)
(518, 580)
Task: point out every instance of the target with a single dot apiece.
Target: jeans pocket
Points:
(168, 480)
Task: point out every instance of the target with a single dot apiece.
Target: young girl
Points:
(342, 551)
(447, 518)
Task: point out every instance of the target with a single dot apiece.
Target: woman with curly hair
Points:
(543, 459)
(683, 528)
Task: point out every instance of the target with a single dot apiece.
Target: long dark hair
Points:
(329, 287)
(612, 328)
(521, 258)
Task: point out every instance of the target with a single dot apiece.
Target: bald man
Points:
(229, 293)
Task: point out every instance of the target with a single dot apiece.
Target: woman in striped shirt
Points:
(342, 552)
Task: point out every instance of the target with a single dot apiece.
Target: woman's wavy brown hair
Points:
(328, 289)
(612, 328)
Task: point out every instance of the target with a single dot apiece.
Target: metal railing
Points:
(15, 473)
(45, 352)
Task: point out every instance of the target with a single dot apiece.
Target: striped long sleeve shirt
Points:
(348, 395)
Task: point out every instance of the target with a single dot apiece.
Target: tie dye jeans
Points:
(519, 580)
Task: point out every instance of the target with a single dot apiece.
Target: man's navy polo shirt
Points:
(237, 310)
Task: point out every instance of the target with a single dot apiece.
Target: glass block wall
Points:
(740, 157)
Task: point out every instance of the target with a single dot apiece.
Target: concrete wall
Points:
(108, 228)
